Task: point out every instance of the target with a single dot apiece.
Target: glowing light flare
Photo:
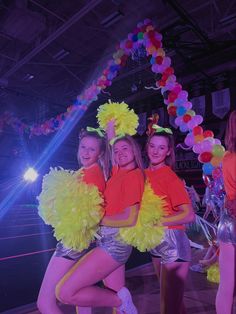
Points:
(30, 175)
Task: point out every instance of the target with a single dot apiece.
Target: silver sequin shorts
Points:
(62, 251)
(226, 231)
(173, 247)
(109, 242)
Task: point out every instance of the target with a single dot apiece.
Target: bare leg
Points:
(173, 278)
(57, 268)
(115, 281)
(157, 266)
(77, 286)
(225, 293)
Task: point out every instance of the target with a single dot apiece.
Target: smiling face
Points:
(89, 151)
(124, 155)
(158, 150)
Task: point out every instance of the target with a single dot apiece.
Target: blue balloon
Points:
(134, 38)
(181, 111)
(207, 168)
(152, 60)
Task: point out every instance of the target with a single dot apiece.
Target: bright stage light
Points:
(30, 175)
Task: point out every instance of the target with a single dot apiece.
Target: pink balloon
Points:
(177, 88)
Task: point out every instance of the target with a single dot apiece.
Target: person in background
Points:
(227, 226)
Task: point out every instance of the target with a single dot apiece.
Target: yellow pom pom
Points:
(213, 273)
(72, 207)
(148, 231)
(126, 120)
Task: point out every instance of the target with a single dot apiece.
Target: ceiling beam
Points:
(75, 18)
(183, 14)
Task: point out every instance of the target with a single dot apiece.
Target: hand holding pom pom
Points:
(126, 121)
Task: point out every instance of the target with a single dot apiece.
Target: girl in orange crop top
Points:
(122, 195)
(170, 258)
(91, 152)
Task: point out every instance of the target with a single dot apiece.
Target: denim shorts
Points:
(109, 242)
(173, 247)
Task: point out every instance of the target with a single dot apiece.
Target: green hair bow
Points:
(159, 129)
(97, 130)
(112, 141)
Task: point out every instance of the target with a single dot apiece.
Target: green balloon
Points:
(140, 35)
(218, 150)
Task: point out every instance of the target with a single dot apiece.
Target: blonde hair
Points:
(230, 133)
(170, 159)
(135, 147)
(104, 160)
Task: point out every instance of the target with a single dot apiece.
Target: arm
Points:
(127, 218)
(184, 215)
(110, 130)
(210, 261)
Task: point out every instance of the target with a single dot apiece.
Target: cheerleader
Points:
(172, 256)
(123, 195)
(91, 155)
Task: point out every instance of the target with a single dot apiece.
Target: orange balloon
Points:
(198, 138)
(215, 161)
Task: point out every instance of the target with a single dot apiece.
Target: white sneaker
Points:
(127, 305)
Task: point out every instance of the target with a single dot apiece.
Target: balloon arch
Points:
(209, 149)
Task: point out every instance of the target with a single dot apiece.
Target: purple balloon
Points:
(178, 101)
(164, 89)
(179, 121)
(197, 148)
(217, 141)
(198, 119)
(172, 78)
(188, 105)
(167, 61)
(189, 140)
(155, 68)
(191, 124)
(183, 128)
(170, 85)
(206, 146)
(183, 94)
